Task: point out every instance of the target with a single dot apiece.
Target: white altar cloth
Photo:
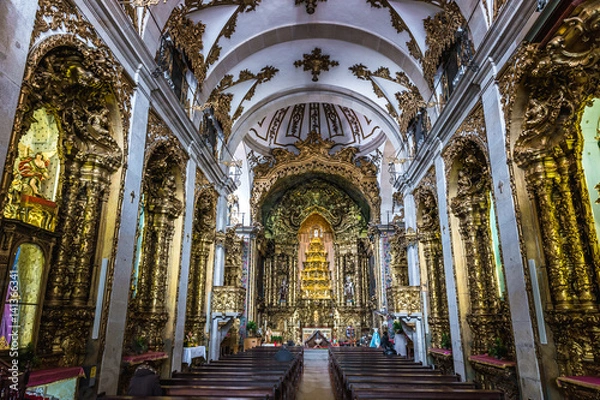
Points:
(192, 352)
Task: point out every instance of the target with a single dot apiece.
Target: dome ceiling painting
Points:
(356, 71)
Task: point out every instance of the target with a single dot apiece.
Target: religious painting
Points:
(34, 189)
(21, 299)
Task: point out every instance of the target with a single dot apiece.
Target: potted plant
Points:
(498, 349)
(277, 339)
(250, 328)
(397, 326)
(446, 343)
(27, 358)
(139, 344)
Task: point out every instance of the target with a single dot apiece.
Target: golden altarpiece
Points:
(60, 179)
(478, 261)
(546, 93)
(314, 263)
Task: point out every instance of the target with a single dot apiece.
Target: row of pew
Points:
(366, 373)
(251, 375)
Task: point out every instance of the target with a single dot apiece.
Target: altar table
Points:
(193, 352)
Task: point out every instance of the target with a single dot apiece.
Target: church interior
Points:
(308, 171)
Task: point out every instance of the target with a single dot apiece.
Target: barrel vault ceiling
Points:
(354, 70)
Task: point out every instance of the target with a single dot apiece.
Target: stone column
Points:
(457, 349)
(185, 267)
(412, 250)
(123, 264)
(218, 272)
(522, 325)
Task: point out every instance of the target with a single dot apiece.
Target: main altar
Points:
(315, 287)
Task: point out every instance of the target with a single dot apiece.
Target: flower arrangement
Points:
(397, 326)
(190, 340)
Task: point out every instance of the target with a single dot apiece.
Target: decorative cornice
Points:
(410, 101)
(315, 62)
(220, 99)
(440, 36)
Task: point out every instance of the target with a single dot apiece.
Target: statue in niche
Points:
(283, 291)
(233, 209)
(316, 318)
(33, 172)
(349, 290)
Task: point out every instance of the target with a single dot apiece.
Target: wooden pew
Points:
(366, 374)
(221, 396)
(428, 393)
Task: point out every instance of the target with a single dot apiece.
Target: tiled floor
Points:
(315, 383)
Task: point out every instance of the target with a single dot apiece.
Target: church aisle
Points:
(315, 383)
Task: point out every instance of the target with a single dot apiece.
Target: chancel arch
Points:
(315, 266)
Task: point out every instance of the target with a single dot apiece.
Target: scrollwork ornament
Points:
(438, 39)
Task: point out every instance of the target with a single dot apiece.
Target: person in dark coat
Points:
(386, 345)
(145, 382)
(284, 354)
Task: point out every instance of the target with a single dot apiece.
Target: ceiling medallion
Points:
(310, 5)
(315, 62)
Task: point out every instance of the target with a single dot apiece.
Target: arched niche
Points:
(156, 266)
(479, 275)
(23, 298)
(61, 179)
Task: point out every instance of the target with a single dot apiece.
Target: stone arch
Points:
(471, 210)
(156, 267)
(356, 174)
